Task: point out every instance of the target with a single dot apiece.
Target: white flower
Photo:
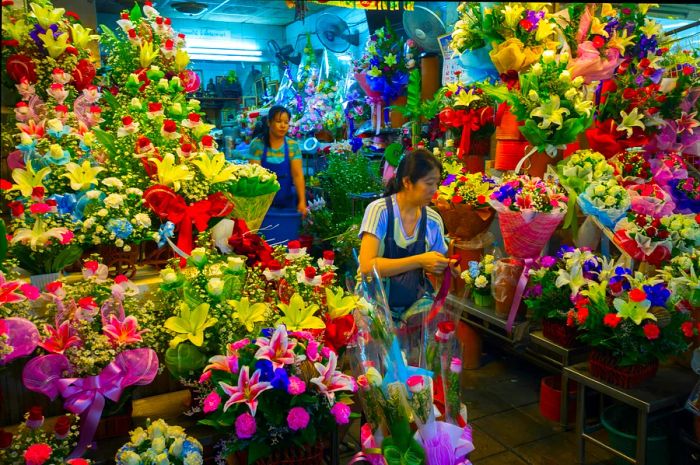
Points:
(168, 275)
(481, 281)
(143, 220)
(102, 212)
(158, 444)
(129, 458)
(134, 191)
(548, 56)
(93, 194)
(114, 200)
(113, 182)
(138, 436)
(215, 286)
(119, 243)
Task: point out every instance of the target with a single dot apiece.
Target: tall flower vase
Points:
(41, 280)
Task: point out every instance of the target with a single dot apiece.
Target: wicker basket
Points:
(308, 455)
(558, 332)
(604, 367)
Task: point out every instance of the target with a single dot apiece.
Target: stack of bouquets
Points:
(277, 392)
(94, 345)
(222, 299)
(682, 273)
(463, 202)
(685, 232)
(478, 280)
(396, 395)
(644, 238)
(551, 103)
(160, 443)
(32, 444)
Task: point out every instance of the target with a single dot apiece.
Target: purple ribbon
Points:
(44, 374)
(519, 290)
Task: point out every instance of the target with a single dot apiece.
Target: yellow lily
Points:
(339, 304)
(650, 28)
(82, 176)
(47, 16)
(544, 29)
(644, 7)
(607, 10)
(630, 120)
(635, 311)
(182, 59)
(27, 179)
(621, 42)
(18, 30)
(38, 236)
(550, 112)
(248, 314)
(170, 173)
(81, 36)
(298, 316)
(215, 168)
(190, 325)
(202, 129)
(147, 53)
(512, 14)
(54, 46)
(466, 98)
(598, 28)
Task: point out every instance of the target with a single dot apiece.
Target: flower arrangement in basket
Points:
(630, 330)
(551, 103)
(463, 203)
(160, 443)
(478, 280)
(279, 392)
(93, 347)
(32, 444)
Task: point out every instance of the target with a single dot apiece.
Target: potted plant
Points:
(478, 280)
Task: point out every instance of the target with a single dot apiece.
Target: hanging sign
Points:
(385, 5)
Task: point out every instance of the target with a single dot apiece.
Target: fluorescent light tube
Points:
(213, 57)
(218, 51)
(224, 44)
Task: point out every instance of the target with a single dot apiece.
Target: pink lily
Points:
(60, 338)
(227, 363)
(332, 380)
(122, 332)
(247, 391)
(8, 294)
(278, 349)
(687, 122)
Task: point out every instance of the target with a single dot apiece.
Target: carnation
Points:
(297, 418)
(341, 412)
(37, 454)
(246, 426)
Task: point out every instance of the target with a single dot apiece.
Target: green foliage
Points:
(553, 302)
(348, 173)
(47, 260)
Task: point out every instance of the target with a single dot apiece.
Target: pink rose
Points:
(456, 365)
(341, 412)
(211, 402)
(297, 419)
(39, 208)
(66, 237)
(415, 383)
(296, 386)
(245, 426)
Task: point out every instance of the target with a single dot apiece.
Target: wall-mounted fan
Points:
(335, 34)
(283, 55)
(424, 26)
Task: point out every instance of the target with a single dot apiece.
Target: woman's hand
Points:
(434, 262)
(301, 208)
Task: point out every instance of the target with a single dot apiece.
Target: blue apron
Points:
(406, 288)
(286, 196)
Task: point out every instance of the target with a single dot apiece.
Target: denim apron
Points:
(406, 288)
(286, 196)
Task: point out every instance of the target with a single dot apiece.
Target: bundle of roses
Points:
(631, 167)
(644, 238)
(160, 443)
(33, 444)
(279, 391)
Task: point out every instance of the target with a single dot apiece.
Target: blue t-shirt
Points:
(376, 219)
(274, 156)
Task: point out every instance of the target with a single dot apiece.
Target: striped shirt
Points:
(375, 222)
(274, 156)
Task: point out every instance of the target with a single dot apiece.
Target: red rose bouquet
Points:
(644, 238)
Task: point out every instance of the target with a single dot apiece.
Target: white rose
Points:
(129, 458)
(93, 194)
(114, 200)
(548, 56)
(158, 444)
(481, 281)
(168, 276)
(215, 286)
(143, 220)
(102, 212)
(138, 436)
(113, 182)
(176, 447)
(119, 243)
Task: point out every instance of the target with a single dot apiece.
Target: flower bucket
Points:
(536, 165)
(510, 143)
(623, 437)
(41, 280)
(466, 254)
(482, 299)
(506, 273)
(558, 332)
(550, 399)
(252, 209)
(604, 367)
(120, 261)
(308, 455)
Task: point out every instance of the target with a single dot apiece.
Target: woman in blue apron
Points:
(401, 237)
(281, 155)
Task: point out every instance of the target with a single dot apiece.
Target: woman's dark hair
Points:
(264, 132)
(414, 166)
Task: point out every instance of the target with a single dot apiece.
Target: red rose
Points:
(5, 439)
(339, 332)
(36, 413)
(91, 265)
(124, 15)
(168, 22)
(687, 70)
(127, 120)
(5, 185)
(328, 255)
(194, 117)
(651, 231)
(274, 265)
(54, 286)
(154, 106)
(629, 94)
(17, 208)
(688, 328)
(656, 222)
(310, 272)
(637, 295)
(598, 42)
(611, 320)
(62, 425)
(457, 199)
(39, 208)
(159, 20)
(446, 327)
(87, 302)
(644, 63)
(641, 221)
(481, 199)
(582, 315)
(663, 234)
(207, 141)
(293, 245)
(120, 278)
(83, 74)
(37, 454)
(169, 125)
(10, 43)
(21, 67)
(525, 24)
(651, 331)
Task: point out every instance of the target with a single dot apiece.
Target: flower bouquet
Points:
(478, 280)
(630, 332)
(605, 200)
(551, 103)
(644, 238)
(160, 443)
(631, 167)
(251, 191)
(32, 444)
(667, 167)
(650, 199)
(682, 273)
(685, 232)
(686, 194)
(462, 201)
(281, 393)
(18, 338)
(94, 349)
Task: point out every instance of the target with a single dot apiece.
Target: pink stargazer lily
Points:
(227, 363)
(122, 332)
(278, 349)
(247, 391)
(332, 380)
(60, 338)
(8, 294)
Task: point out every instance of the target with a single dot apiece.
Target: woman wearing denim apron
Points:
(401, 237)
(281, 155)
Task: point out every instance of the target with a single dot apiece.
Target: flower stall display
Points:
(478, 280)
(650, 199)
(281, 393)
(644, 238)
(34, 444)
(94, 345)
(160, 443)
(463, 203)
(667, 167)
(607, 201)
(684, 232)
(629, 330)
(382, 72)
(682, 273)
(551, 103)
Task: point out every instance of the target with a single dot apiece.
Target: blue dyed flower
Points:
(564, 250)
(65, 130)
(449, 179)
(473, 269)
(65, 204)
(120, 227)
(189, 447)
(657, 294)
(84, 201)
(266, 332)
(28, 150)
(280, 380)
(266, 370)
(166, 230)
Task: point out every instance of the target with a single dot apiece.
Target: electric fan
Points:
(335, 34)
(424, 26)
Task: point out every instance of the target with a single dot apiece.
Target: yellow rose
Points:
(513, 55)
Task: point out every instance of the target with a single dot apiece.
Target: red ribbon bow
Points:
(471, 120)
(172, 207)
